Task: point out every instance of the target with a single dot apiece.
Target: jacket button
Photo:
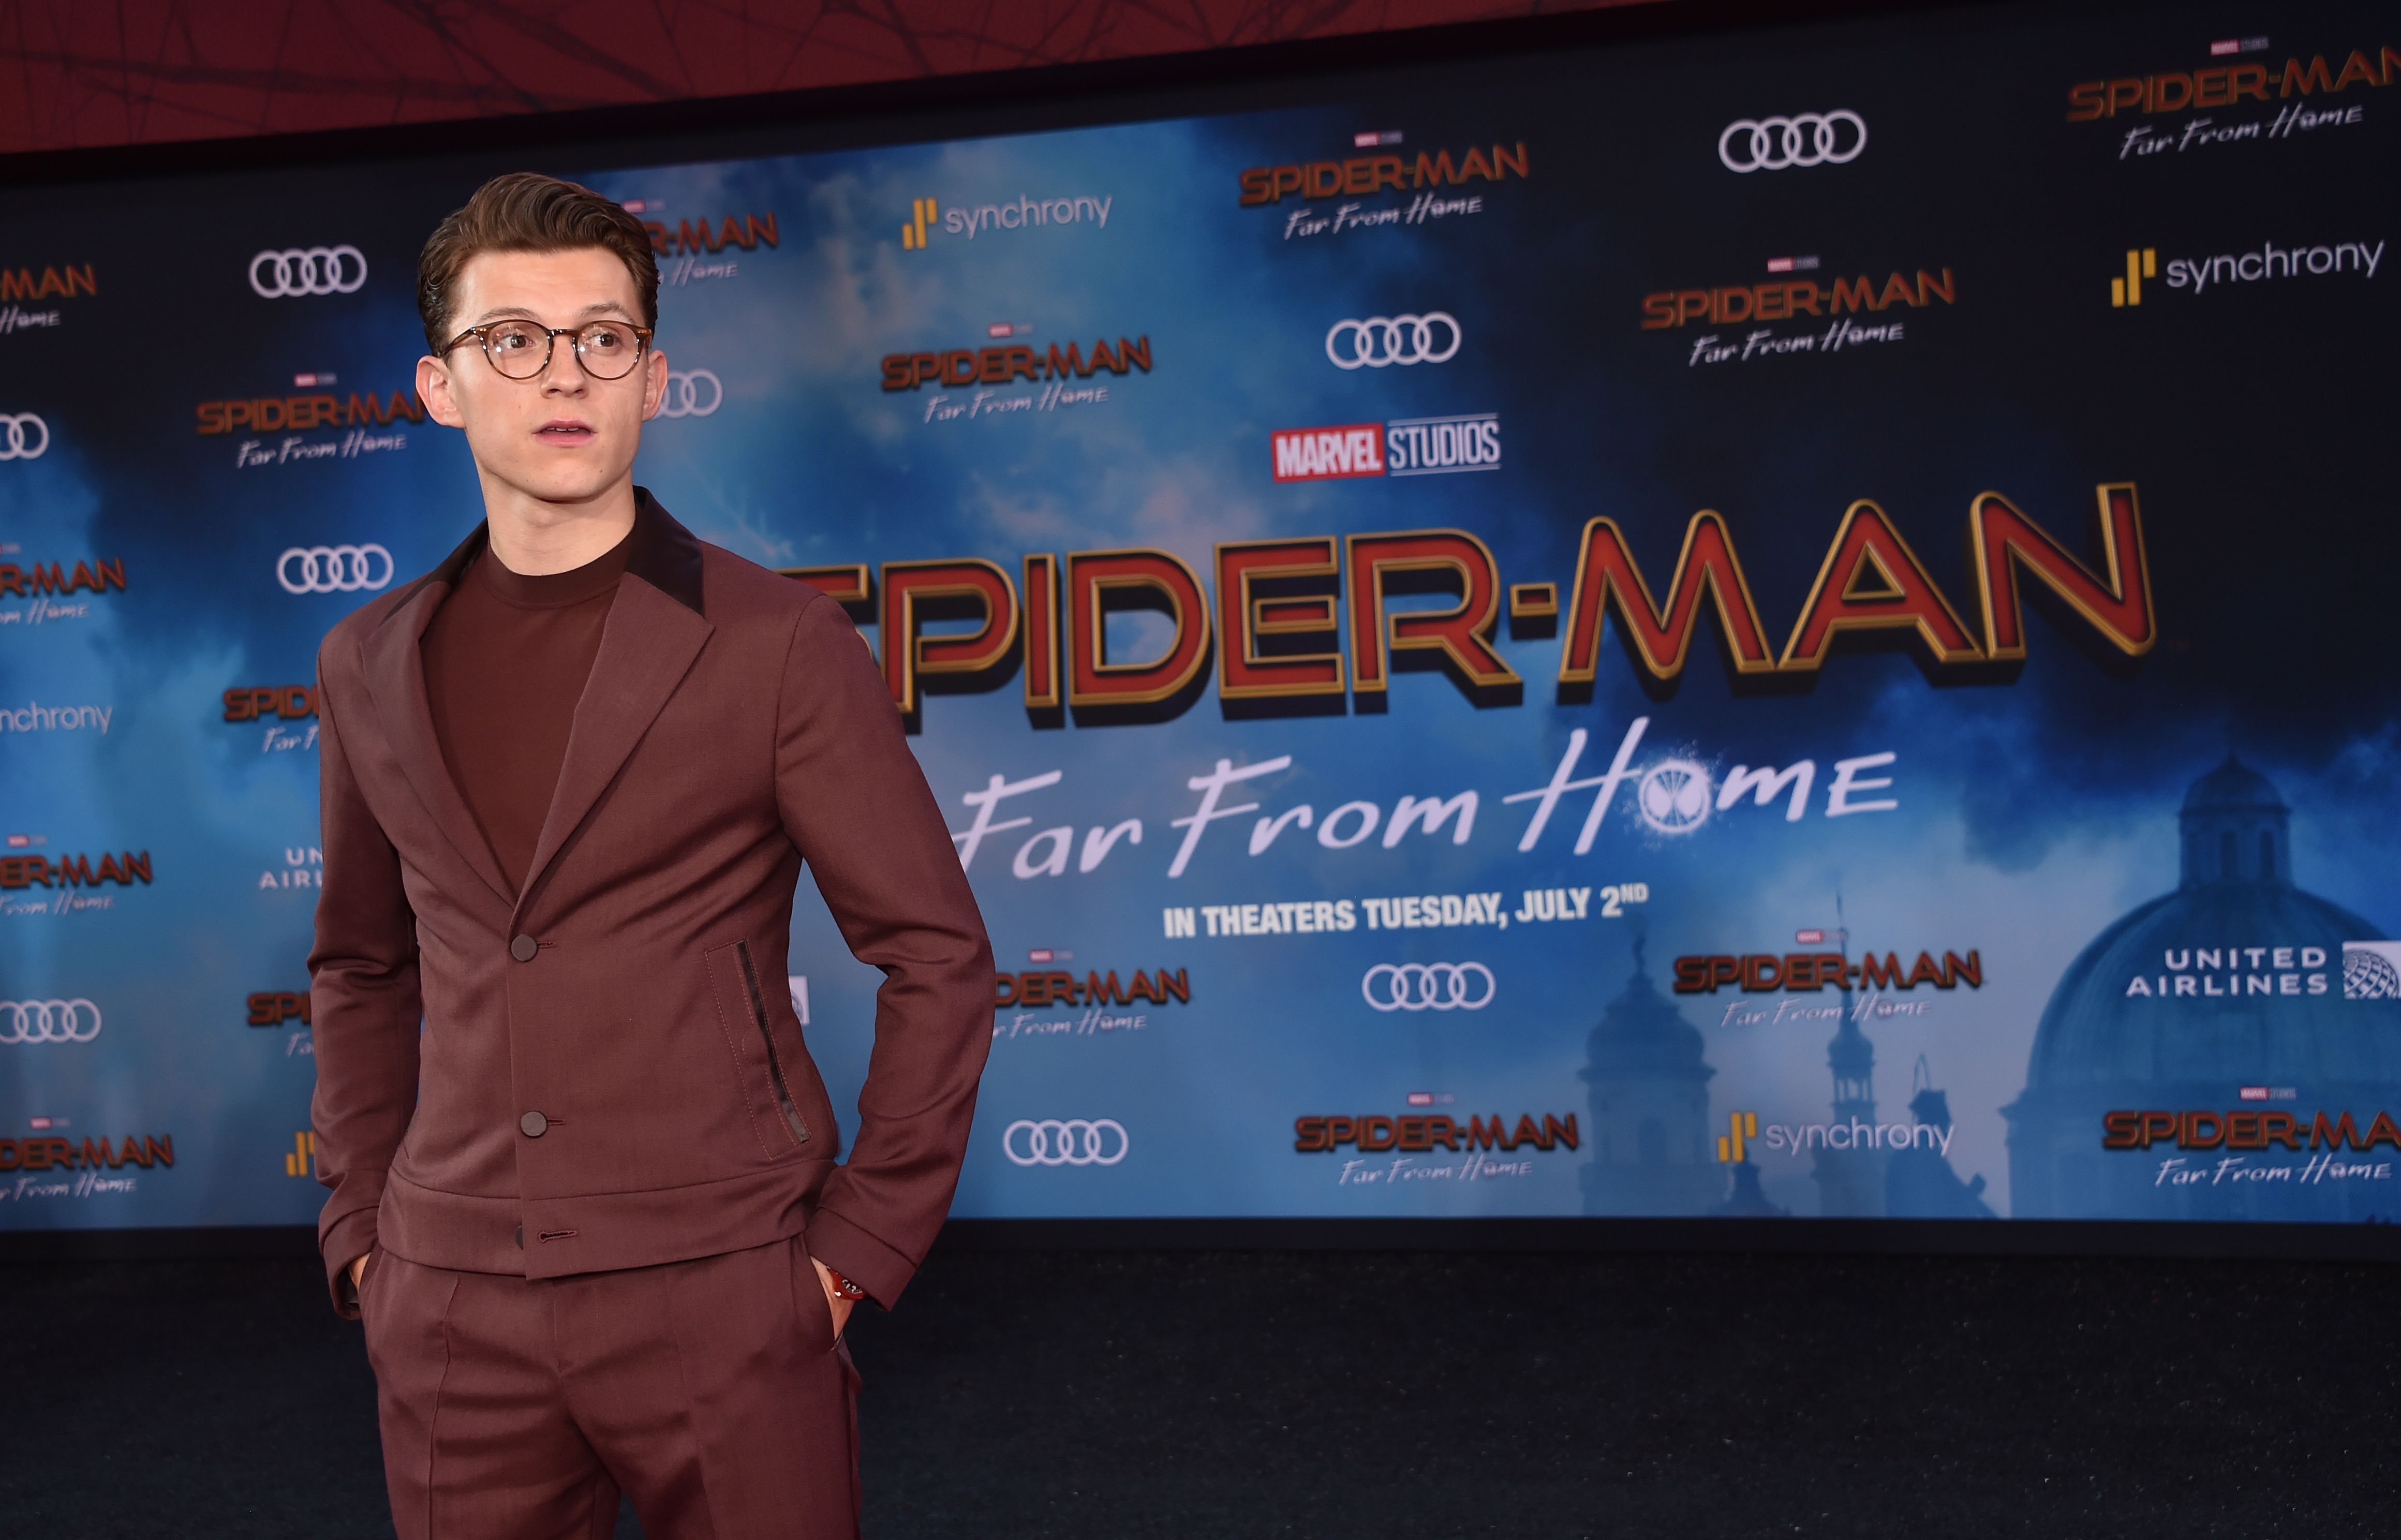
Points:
(534, 1124)
(520, 1237)
(523, 948)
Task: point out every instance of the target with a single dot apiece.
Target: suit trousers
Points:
(712, 1392)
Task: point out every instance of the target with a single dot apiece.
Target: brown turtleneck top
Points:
(506, 659)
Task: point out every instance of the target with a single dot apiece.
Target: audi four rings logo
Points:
(26, 436)
(1427, 986)
(1382, 340)
(49, 1021)
(318, 270)
(1074, 1141)
(1811, 139)
(333, 569)
(686, 388)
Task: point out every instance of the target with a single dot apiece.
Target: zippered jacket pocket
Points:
(764, 1077)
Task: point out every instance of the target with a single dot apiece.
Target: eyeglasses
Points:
(520, 349)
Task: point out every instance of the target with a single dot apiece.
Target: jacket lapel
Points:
(394, 664)
(655, 631)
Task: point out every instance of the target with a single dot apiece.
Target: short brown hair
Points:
(528, 211)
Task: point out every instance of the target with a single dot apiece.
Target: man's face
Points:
(562, 436)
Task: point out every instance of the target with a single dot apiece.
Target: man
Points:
(590, 1210)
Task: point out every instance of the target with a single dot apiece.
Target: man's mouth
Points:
(566, 430)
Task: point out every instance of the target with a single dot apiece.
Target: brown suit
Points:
(610, 1074)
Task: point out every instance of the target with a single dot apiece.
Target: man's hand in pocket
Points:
(835, 1301)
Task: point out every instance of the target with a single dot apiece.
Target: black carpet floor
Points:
(1193, 1395)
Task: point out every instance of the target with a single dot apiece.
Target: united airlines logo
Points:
(2371, 970)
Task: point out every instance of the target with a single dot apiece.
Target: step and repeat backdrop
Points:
(1782, 624)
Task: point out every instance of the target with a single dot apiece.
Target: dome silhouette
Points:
(2234, 980)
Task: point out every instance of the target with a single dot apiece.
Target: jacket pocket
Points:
(750, 1035)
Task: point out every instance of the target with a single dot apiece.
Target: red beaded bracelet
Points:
(843, 1286)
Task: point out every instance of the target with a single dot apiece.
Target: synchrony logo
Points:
(927, 215)
(33, 717)
(2268, 261)
(1405, 446)
(1744, 1130)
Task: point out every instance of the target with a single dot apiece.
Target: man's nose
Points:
(564, 373)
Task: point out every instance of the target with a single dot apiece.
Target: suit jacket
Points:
(609, 1072)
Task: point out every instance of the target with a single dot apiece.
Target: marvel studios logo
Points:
(1405, 446)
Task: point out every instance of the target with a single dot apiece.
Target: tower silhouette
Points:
(1919, 1182)
(1850, 1182)
(1647, 1087)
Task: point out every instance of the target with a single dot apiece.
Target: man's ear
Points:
(654, 384)
(433, 390)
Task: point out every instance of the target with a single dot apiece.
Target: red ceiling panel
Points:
(74, 73)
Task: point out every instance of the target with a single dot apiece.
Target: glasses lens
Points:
(609, 349)
(518, 349)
